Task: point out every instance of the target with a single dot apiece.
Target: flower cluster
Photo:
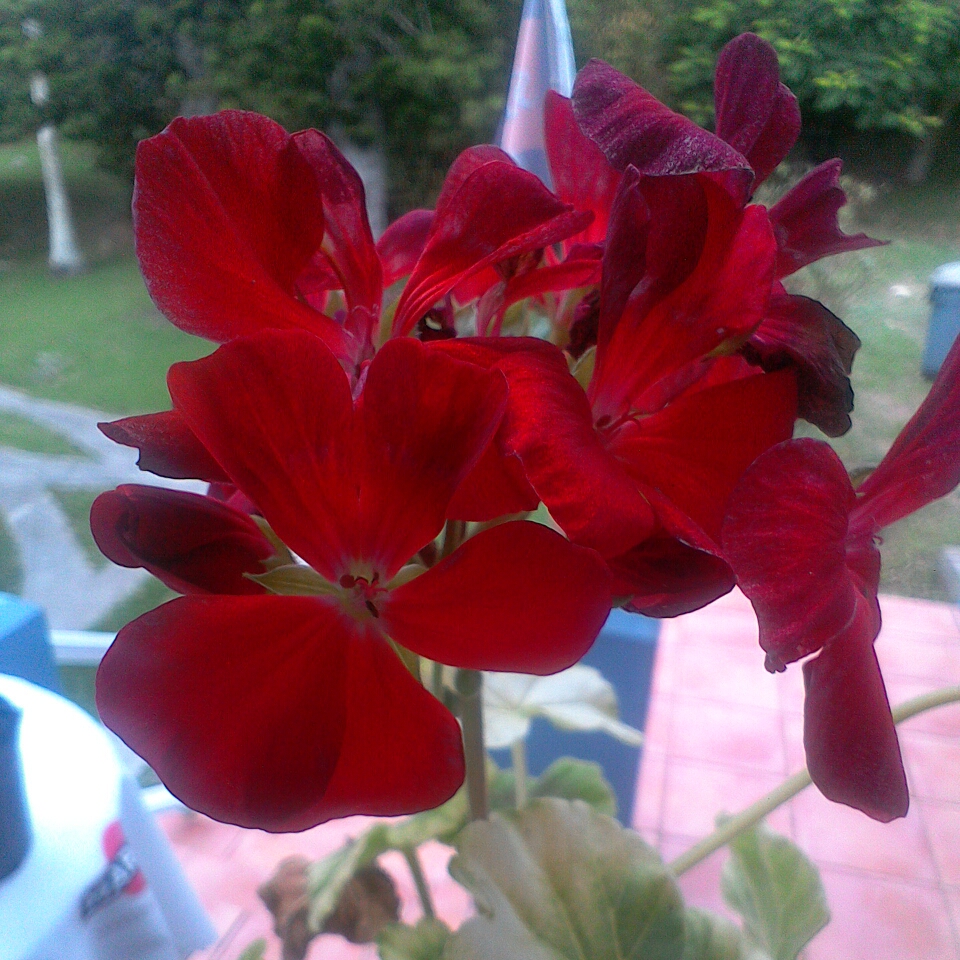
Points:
(622, 351)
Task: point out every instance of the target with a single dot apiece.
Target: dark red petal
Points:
(276, 713)
(665, 577)
(805, 221)
(402, 243)
(582, 176)
(785, 536)
(804, 334)
(499, 211)
(496, 487)
(755, 113)
(276, 412)
(695, 450)
(924, 462)
(427, 419)
(516, 597)
(632, 127)
(848, 732)
(227, 214)
(193, 544)
(168, 447)
(347, 243)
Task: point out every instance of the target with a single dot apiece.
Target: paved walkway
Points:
(58, 573)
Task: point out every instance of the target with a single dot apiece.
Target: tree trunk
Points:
(64, 254)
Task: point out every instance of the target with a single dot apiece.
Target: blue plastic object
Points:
(624, 653)
(944, 317)
(16, 833)
(25, 649)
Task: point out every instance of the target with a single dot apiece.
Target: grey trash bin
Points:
(944, 317)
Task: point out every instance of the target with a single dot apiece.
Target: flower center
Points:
(361, 594)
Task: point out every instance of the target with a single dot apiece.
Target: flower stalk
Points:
(470, 688)
(420, 881)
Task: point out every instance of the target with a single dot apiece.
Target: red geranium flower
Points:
(802, 542)
(282, 711)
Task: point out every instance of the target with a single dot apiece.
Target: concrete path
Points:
(58, 573)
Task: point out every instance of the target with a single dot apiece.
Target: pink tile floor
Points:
(721, 733)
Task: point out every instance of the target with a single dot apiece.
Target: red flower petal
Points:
(582, 176)
(695, 449)
(402, 243)
(167, 446)
(276, 713)
(193, 544)
(755, 113)
(785, 536)
(848, 732)
(516, 597)
(276, 412)
(427, 418)
(804, 334)
(805, 221)
(924, 462)
(499, 211)
(227, 214)
(632, 127)
(496, 487)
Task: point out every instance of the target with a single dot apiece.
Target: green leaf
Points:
(571, 779)
(575, 699)
(442, 823)
(330, 875)
(256, 951)
(777, 891)
(711, 937)
(558, 881)
(425, 941)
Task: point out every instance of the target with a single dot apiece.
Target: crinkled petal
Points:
(517, 597)
(923, 464)
(582, 175)
(632, 127)
(168, 447)
(276, 412)
(227, 214)
(427, 419)
(805, 221)
(402, 243)
(695, 449)
(497, 212)
(851, 742)
(276, 713)
(755, 113)
(194, 544)
(785, 536)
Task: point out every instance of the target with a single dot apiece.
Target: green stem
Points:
(791, 787)
(519, 754)
(470, 688)
(420, 881)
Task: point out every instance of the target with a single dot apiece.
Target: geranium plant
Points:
(453, 450)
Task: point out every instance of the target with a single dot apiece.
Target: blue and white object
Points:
(944, 317)
(25, 649)
(543, 61)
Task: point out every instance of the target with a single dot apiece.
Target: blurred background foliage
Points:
(425, 78)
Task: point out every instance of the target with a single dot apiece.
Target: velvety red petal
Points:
(427, 419)
(276, 713)
(347, 242)
(227, 214)
(402, 243)
(785, 536)
(851, 742)
(664, 577)
(582, 175)
(496, 487)
(194, 544)
(695, 450)
(802, 333)
(755, 113)
(516, 597)
(168, 447)
(805, 221)
(632, 127)
(498, 212)
(276, 412)
(923, 464)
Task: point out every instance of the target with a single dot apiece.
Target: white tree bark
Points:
(64, 253)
